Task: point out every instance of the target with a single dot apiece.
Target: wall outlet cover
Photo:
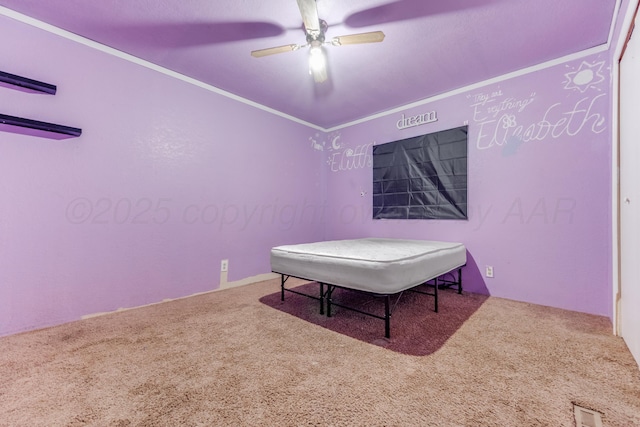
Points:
(489, 271)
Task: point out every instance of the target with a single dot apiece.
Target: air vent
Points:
(587, 417)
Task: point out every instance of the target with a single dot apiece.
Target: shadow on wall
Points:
(472, 279)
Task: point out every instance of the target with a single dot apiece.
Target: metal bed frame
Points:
(326, 295)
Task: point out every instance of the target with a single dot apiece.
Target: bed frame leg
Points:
(460, 280)
(328, 298)
(322, 298)
(387, 316)
(282, 280)
(435, 294)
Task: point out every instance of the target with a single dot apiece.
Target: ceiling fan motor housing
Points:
(318, 36)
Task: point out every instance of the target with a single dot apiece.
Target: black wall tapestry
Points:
(423, 177)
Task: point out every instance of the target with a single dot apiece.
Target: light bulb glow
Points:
(316, 59)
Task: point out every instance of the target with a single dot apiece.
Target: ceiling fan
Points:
(315, 29)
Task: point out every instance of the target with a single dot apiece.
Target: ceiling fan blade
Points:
(372, 37)
(309, 12)
(403, 10)
(274, 50)
(173, 35)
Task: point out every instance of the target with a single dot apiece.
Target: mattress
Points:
(382, 266)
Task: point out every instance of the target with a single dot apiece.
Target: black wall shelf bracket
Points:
(40, 126)
(26, 83)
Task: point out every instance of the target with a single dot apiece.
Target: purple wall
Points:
(169, 178)
(166, 180)
(539, 184)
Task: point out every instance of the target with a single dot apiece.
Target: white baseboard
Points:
(223, 285)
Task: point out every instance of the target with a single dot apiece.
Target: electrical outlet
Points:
(488, 271)
(224, 265)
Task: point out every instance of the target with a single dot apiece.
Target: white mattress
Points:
(382, 266)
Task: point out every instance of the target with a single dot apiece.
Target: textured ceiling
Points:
(431, 46)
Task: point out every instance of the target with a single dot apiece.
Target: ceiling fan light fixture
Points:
(319, 75)
(317, 64)
(316, 58)
(315, 30)
(316, 50)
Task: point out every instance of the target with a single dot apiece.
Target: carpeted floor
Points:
(227, 359)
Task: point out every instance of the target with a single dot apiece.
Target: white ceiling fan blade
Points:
(373, 37)
(309, 12)
(274, 50)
